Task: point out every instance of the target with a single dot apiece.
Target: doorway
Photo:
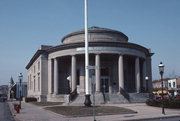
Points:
(104, 79)
(104, 84)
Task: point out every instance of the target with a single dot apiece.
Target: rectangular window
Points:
(38, 83)
(30, 85)
(169, 84)
(34, 83)
(28, 81)
(174, 84)
(38, 65)
(34, 69)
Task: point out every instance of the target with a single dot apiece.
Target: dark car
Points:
(178, 96)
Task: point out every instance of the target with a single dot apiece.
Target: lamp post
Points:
(161, 71)
(20, 81)
(146, 78)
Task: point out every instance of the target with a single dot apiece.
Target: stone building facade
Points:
(56, 72)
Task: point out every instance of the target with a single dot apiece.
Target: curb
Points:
(153, 118)
(13, 113)
(11, 109)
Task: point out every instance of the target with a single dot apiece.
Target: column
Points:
(121, 72)
(50, 76)
(144, 75)
(55, 76)
(149, 73)
(97, 71)
(73, 72)
(137, 74)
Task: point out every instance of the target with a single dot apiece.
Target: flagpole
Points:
(87, 101)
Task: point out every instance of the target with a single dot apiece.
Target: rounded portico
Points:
(122, 66)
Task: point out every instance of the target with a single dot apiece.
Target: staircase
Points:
(115, 98)
(138, 97)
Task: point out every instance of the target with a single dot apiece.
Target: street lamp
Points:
(20, 81)
(146, 78)
(161, 71)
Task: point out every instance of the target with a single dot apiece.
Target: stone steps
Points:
(138, 97)
(115, 98)
(101, 98)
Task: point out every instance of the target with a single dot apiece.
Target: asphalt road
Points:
(164, 119)
(5, 113)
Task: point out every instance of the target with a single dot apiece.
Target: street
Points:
(5, 113)
(164, 119)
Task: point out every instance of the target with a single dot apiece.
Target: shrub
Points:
(30, 99)
(168, 103)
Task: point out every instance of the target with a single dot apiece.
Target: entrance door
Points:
(104, 84)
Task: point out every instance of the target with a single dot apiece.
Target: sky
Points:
(25, 25)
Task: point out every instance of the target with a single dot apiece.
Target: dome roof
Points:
(95, 34)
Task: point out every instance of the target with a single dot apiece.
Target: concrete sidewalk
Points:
(31, 112)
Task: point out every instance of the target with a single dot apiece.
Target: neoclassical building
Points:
(57, 73)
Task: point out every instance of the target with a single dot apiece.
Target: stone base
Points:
(42, 98)
(87, 101)
(58, 98)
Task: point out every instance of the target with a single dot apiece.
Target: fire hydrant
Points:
(17, 108)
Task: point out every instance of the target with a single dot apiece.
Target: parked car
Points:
(157, 96)
(178, 96)
(166, 96)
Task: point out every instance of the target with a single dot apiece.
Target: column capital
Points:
(98, 53)
(121, 54)
(54, 58)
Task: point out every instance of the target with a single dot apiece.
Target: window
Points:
(34, 69)
(38, 83)
(30, 83)
(174, 84)
(34, 83)
(38, 65)
(169, 84)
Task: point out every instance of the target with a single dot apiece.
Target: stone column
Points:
(137, 74)
(73, 72)
(50, 72)
(121, 72)
(55, 76)
(97, 64)
(149, 73)
(144, 75)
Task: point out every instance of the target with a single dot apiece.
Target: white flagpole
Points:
(87, 86)
(86, 49)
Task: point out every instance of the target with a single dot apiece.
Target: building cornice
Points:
(51, 49)
(95, 44)
(36, 55)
